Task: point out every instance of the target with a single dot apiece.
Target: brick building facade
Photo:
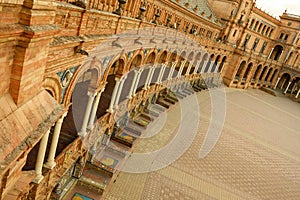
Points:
(65, 64)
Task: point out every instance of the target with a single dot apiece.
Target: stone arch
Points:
(248, 70)
(190, 59)
(284, 80)
(276, 53)
(202, 66)
(259, 27)
(257, 71)
(289, 58)
(252, 23)
(162, 57)
(270, 33)
(216, 62)
(121, 69)
(95, 67)
(275, 73)
(151, 57)
(210, 60)
(222, 64)
(268, 76)
(240, 70)
(267, 31)
(255, 26)
(196, 60)
(136, 60)
(264, 70)
(295, 85)
(54, 86)
(263, 30)
(114, 72)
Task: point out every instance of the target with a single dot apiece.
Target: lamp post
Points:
(168, 20)
(142, 10)
(157, 15)
(120, 8)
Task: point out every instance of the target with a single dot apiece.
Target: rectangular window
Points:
(202, 30)
(286, 37)
(208, 35)
(255, 44)
(234, 33)
(281, 36)
(263, 47)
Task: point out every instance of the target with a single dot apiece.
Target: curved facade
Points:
(77, 69)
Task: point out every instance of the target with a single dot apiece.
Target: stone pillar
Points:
(86, 117)
(133, 84)
(189, 68)
(161, 73)
(94, 110)
(270, 53)
(278, 79)
(181, 68)
(139, 73)
(147, 79)
(242, 74)
(257, 76)
(50, 164)
(40, 158)
(151, 76)
(287, 87)
(196, 67)
(211, 67)
(172, 70)
(114, 94)
(119, 91)
(217, 67)
(297, 95)
(203, 67)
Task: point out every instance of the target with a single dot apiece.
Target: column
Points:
(181, 68)
(151, 76)
(161, 73)
(94, 110)
(197, 67)
(217, 67)
(86, 117)
(203, 67)
(120, 91)
(211, 66)
(147, 79)
(172, 70)
(270, 53)
(287, 87)
(297, 95)
(278, 79)
(257, 77)
(50, 164)
(114, 94)
(189, 68)
(40, 158)
(242, 74)
(133, 84)
(136, 82)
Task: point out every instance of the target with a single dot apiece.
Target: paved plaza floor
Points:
(256, 157)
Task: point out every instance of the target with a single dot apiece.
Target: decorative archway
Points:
(276, 53)
(240, 70)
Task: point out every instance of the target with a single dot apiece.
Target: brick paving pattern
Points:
(256, 157)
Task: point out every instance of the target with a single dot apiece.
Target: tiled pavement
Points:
(256, 157)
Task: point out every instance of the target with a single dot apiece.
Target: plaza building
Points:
(82, 80)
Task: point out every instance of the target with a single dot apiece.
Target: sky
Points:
(277, 7)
